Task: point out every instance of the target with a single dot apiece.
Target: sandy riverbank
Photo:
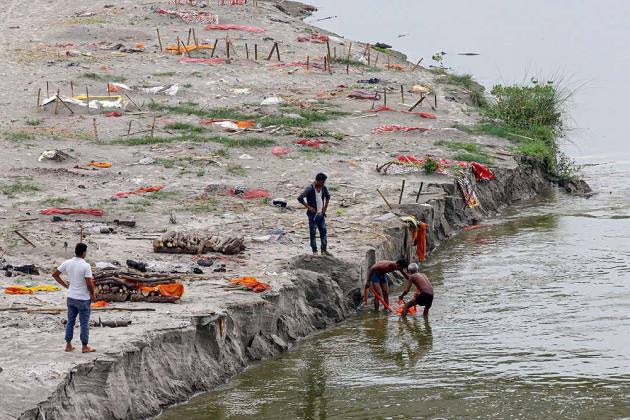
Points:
(215, 331)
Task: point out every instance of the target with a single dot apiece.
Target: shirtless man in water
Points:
(377, 277)
(424, 292)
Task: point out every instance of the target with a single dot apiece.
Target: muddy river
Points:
(531, 317)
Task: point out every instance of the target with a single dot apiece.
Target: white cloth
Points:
(319, 196)
(77, 270)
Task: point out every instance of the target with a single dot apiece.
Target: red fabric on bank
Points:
(66, 211)
(420, 114)
(250, 194)
(482, 173)
(232, 27)
(315, 144)
(316, 38)
(281, 151)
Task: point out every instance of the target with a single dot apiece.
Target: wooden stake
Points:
(132, 101)
(402, 94)
(278, 51)
(159, 39)
(195, 37)
(87, 98)
(388, 62)
(256, 52)
(129, 129)
(189, 35)
(417, 64)
(369, 57)
(335, 52)
(81, 234)
(227, 47)
(402, 190)
(214, 48)
(47, 91)
(25, 238)
(39, 94)
(384, 199)
(107, 89)
(153, 126)
(367, 49)
(71, 89)
(419, 191)
(57, 102)
(328, 48)
(179, 42)
(435, 98)
(378, 53)
(417, 103)
(308, 65)
(247, 50)
(64, 104)
(385, 96)
(95, 130)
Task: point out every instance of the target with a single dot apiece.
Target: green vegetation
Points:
(55, 202)
(19, 135)
(222, 152)
(308, 133)
(531, 117)
(184, 126)
(202, 206)
(187, 85)
(103, 77)
(473, 157)
(468, 152)
(195, 138)
(164, 74)
(308, 116)
(466, 81)
(18, 187)
(346, 61)
(34, 122)
(236, 169)
(429, 166)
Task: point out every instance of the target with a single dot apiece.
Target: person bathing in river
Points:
(424, 291)
(377, 278)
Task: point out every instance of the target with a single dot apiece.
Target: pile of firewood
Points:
(121, 286)
(194, 243)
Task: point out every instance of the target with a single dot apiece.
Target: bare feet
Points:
(69, 347)
(87, 349)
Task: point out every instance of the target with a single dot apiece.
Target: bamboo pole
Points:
(57, 103)
(39, 94)
(214, 47)
(416, 66)
(95, 130)
(419, 191)
(384, 199)
(159, 39)
(402, 190)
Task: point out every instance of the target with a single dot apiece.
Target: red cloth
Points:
(202, 60)
(316, 38)
(113, 114)
(66, 211)
(391, 128)
(315, 144)
(482, 173)
(142, 190)
(280, 151)
(421, 237)
(234, 28)
(250, 194)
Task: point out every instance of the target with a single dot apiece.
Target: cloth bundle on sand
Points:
(419, 236)
(66, 211)
(315, 144)
(190, 17)
(113, 285)
(281, 151)
(229, 125)
(316, 38)
(251, 283)
(468, 191)
(198, 243)
(24, 290)
(394, 128)
(420, 114)
(231, 27)
(142, 190)
(249, 194)
(365, 94)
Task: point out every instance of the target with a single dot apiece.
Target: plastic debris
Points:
(230, 125)
(101, 103)
(272, 100)
(232, 27)
(115, 114)
(56, 155)
(170, 90)
(245, 156)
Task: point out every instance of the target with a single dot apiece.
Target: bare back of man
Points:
(377, 278)
(424, 291)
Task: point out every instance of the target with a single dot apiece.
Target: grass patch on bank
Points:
(246, 142)
(11, 190)
(346, 61)
(467, 152)
(103, 77)
(180, 126)
(18, 136)
(466, 81)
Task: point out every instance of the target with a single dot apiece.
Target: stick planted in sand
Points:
(47, 90)
(308, 66)
(153, 126)
(57, 102)
(214, 47)
(95, 136)
(384, 199)
(419, 191)
(328, 49)
(402, 94)
(435, 98)
(87, 99)
(25, 238)
(402, 190)
(129, 129)
(256, 52)
(64, 104)
(39, 94)
(417, 64)
(246, 51)
(417, 103)
(189, 35)
(159, 39)
(71, 89)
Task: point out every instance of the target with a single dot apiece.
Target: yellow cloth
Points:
(23, 290)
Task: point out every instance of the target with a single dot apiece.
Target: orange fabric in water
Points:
(401, 305)
(99, 304)
(171, 289)
(251, 283)
(380, 299)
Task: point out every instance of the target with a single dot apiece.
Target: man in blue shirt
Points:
(316, 204)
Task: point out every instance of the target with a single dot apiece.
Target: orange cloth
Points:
(251, 283)
(401, 305)
(99, 304)
(100, 164)
(421, 249)
(152, 188)
(18, 290)
(171, 289)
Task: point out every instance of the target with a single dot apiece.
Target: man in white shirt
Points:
(80, 294)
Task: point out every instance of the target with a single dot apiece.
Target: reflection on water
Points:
(530, 320)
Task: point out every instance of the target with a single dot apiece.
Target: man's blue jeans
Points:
(81, 308)
(317, 222)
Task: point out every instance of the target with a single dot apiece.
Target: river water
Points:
(531, 317)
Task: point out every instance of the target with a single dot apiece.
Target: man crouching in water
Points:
(424, 292)
(377, 278)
